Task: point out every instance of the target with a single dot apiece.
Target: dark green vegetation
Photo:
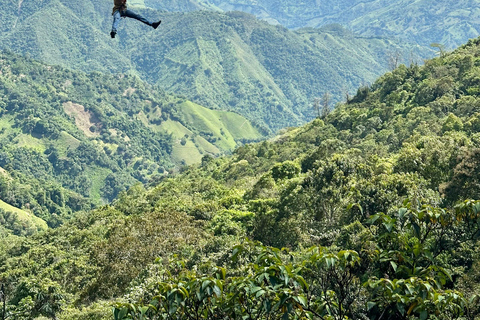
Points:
(371, 204)
(69, 140)
(267, 73)
(228, 61)
(450, 23)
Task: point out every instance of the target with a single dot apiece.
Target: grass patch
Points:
(22, 215)
(228, 127)
(239, 127)
(175, 128)
(189, 153)
(97, 177)
(66, 142)
(28, 141)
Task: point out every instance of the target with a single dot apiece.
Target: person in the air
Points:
(120, 10)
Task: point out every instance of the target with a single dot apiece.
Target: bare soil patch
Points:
(84, 119)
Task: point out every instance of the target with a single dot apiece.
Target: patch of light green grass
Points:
(239, 127)
(28, 141)
(206, 146)
(66, 142)
(228, 127)
(175, 128)
(97, 176)
(6, 122)
(188, 153)
(22, 215)
(208, 121)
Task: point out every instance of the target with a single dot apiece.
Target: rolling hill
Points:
(18, 221)
(425, 22)
(231, 61)
(379, 196)
(267, 73)
(74, 139)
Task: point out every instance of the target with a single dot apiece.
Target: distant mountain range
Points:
(231, 61)
(449, 23)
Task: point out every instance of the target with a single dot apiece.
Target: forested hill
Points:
(370, 203)
(232, 61)
(450, 23)
(73, 139)
(264, 72)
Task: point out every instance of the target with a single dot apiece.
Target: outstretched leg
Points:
(130, 14)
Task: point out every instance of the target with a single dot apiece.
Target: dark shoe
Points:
(156, 24)
(112, 34)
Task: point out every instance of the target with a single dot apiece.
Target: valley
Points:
(246, 160)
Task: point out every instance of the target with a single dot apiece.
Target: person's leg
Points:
(116, 20)
(130, 14)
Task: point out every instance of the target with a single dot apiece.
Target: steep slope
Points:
(99, 134)
(446, 22)
(269, 74)
(19, 222)
(227, 61)
(379, 188)
(62, 33)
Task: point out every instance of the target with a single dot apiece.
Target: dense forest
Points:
(230, 61)
(420, 21)
(370, 211)
(70, 140)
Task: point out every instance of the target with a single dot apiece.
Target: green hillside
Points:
(425, 22)
(445, 22)
(87, 137)
(370, 205)
(268, 74)
(204, 131)
(19, 221)
(232, 61)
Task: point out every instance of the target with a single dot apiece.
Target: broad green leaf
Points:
(402, 212)
(416, 228)
(394, 266)
(424, 315)
(255, 289)
(388, 226)
(260, 293)
(143, 310)
(302, 300)
(401, 308)
(374, 218)
(217, 291)
(205, 284)
(119, 314)
(476, 208)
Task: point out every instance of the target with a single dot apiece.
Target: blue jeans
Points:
(129, 14)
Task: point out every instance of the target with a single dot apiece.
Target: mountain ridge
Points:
(229, 61)
(450, 24)
(91, 136)
(379, 191)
